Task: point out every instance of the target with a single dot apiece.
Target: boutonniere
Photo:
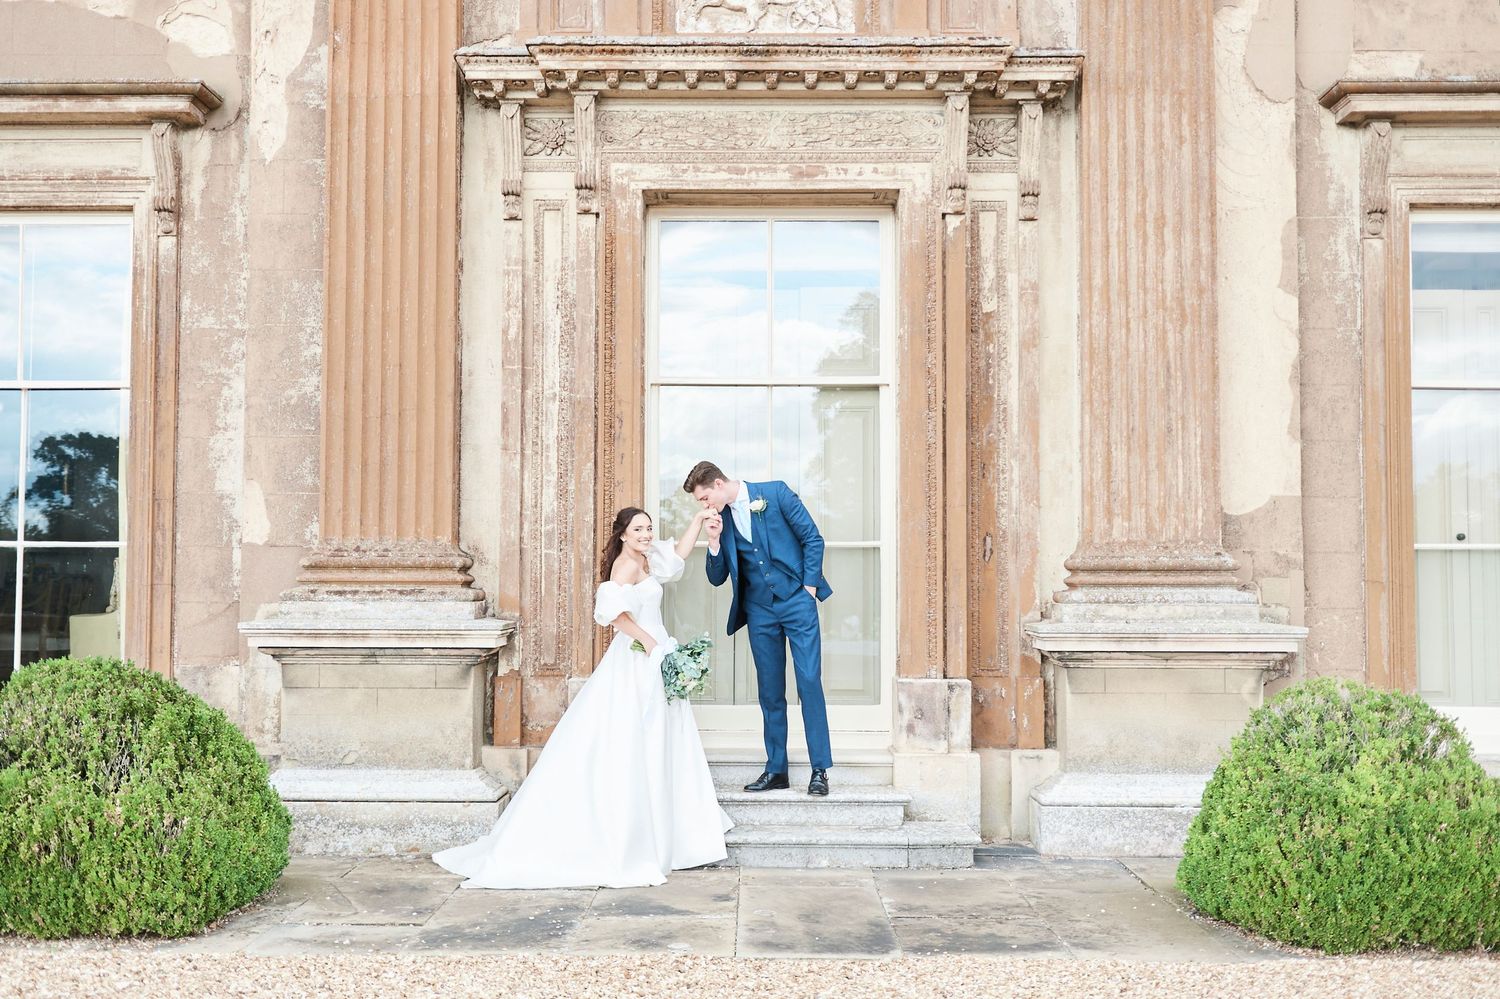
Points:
(758, 505)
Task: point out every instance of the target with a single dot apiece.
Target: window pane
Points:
(826, 446)
(1458, 631)
(7, 611)
(712, 311)
(67, 605)
(725, 425)
(851, 626)
(1455, 315)
(77, 311)
(10, 463)
(1456, 466)
(73, 468)
(10, 298)
(826, 291)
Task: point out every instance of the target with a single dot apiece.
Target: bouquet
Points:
(684, 670)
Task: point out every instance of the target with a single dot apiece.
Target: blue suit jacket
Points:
(790, 538)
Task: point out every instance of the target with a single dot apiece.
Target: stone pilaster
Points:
(1154, 655)
(1151, 511)
(389, 514)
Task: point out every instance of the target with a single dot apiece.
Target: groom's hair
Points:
(703, 474)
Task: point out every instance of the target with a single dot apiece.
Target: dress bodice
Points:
(641, 600)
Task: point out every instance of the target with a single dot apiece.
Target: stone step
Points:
(1114, 815)
(738, 773)
(846, 805)
(911, 844)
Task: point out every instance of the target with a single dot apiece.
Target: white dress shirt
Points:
(740, 511)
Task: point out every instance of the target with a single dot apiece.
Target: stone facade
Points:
(1148, 327)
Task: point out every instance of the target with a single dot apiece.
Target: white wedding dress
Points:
(621, 794)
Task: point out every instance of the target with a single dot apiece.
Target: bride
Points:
(621, 794)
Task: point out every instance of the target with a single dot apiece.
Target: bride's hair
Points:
(616, 542)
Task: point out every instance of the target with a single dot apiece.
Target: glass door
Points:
(770, 355)
(1455, 374)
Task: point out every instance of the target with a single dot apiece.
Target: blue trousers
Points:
(771, 629)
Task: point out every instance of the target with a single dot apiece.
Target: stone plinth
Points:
(1144, 710)
(382, 724)
(1114, 815)
(353, 811)
(932, 750)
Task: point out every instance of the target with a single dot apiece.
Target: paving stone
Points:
(402, 867)
(687, 893)
(780, 917)
(713, 936)
(479, 920)
(1022, 937)
(303, 940)
(949, 894)
(1133, 924)
(353, 900)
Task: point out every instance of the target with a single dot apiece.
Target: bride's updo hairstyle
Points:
(616, 542)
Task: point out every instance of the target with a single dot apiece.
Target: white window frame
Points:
(20, 545)
(731, 729)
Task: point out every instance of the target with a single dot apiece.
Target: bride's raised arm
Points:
(690, 536)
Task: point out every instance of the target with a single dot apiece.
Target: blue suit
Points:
(767, 572)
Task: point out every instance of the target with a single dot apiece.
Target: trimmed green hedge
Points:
(127, 805)
(1349, 819)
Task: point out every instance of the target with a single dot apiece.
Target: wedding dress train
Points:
(621, 794)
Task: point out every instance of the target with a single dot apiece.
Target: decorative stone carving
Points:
(992, 137)
(745, 129)
(548, 137)
(857, 66)
(765, 16)
(164, 200)
(1031, 158)
(955, 152)
(511, 145)
(1374, 161)
(586, 176)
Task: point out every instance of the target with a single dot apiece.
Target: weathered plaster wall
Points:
(1259, 427)
(1337, 39)
(251, 297)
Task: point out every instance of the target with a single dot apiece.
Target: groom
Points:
(772, 554)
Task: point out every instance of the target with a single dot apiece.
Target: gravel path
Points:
(37, 972)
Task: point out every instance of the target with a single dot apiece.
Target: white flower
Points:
(758, 505)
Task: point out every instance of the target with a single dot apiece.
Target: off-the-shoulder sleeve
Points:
(665, 565)
(610, 602)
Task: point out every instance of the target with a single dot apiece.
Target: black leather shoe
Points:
(819, 783)
(769, 782)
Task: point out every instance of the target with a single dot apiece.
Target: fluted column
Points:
(389, 515)
(1151, 508)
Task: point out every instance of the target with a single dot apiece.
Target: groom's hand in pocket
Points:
(812, 591)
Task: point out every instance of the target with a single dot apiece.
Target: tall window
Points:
(65, 309)
(771, 358)
(1455, 375)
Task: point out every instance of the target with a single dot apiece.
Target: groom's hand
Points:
(812, 591)
(713, 529)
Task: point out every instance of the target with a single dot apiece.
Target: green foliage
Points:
(1349, 819)
(127, 805)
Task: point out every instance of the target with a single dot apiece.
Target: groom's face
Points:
(714, 496)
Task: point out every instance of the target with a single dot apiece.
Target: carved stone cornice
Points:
(186, 103)
(1414, 102)
(644, 67)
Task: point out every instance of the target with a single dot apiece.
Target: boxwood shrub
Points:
(127, 805)
(1349, 819)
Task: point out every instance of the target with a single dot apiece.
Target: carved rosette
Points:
(548, 137)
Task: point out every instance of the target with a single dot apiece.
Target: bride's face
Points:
(638, 535)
